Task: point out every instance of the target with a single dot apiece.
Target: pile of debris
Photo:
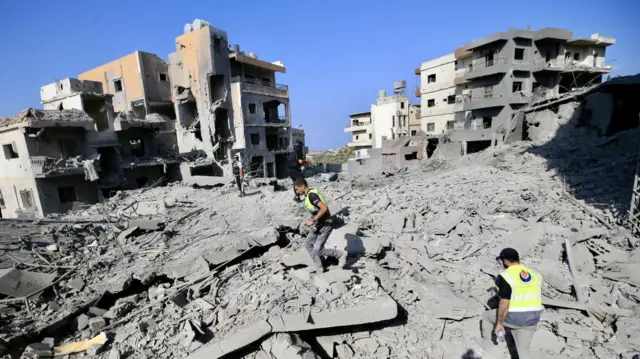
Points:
(177, 271)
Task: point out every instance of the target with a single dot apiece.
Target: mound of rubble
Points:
(176, 271)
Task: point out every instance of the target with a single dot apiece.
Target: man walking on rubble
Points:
(520, 306)
(318, 227)
(238, 172)
(296, 161)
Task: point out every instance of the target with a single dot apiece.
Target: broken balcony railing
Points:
(253, 81)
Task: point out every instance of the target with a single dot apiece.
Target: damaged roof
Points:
(32, 117)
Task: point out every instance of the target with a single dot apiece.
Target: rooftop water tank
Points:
(253, 55)
(235, 48)
(382, 93)
(188, 28)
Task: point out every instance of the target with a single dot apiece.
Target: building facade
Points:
(228, 101)
(361, 130)
(77, 150)
(486, 82)
(138, 82)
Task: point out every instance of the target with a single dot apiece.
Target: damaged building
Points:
(76, 150)
(228, 101)
(476, 94)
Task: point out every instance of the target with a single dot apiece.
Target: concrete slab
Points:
(441, 302)
(298, 258)
(147, 224)
(233, 342)
(369, 312)
(525, 239)
(19, 283)
(127, 232)
(446, 222)
(218, 257)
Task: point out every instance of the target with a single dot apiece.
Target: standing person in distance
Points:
(238, 172)
(296, 161)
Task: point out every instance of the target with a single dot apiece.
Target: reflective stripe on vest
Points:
(526, 291)
(309, 205)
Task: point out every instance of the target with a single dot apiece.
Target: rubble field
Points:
(178, 271)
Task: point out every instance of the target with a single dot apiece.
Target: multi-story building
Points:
(139, 82)
(477, 91)
(228, 101)
(76, 150)
(361, 130)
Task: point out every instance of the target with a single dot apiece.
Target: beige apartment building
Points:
(138, 82)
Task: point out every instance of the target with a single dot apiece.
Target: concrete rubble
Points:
(176, 271)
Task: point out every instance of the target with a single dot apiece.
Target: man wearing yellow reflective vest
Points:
(520, 305)
(318, 227)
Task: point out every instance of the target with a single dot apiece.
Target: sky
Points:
(338, 53)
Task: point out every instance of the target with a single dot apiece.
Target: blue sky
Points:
(337, 53)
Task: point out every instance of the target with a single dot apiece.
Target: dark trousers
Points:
(294, 175)
(239, 183)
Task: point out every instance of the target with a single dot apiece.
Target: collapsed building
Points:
(76, 150)
(227, 102)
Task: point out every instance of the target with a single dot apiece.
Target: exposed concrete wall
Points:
(59, 143)
(128, 70)
(152, 67)
(367, 166)
(17, 175)
(70, 102)
(389, 119)
(48, 191)
(145, 174)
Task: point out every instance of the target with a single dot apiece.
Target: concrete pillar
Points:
(464, 148)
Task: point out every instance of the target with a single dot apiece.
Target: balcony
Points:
(487, 67)
(361, 143)
(568, 65)
(459, 76)
(48, 167)
(281, 121)
(102, 139)
(482, 98)
(260, 87)
(358, 127)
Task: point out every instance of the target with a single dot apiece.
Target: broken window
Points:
(255, 139)
(450, 125)
(431, 127)
(27, 199)
(137, 147)
(576, 56)
(393, 121)
(517, 86)
(68, 148)
(141, 181)
(357, 137)
(486, 122)
(266, 81)
(451, 99)
(431, 78)
(2, 205)
(401, 104)
(488, 59)
(370, 136)
(117, 85)
(10, 151)
(413, 132)
(252, 108)
(163, 77)
(519, 54)
(567, 55)
(67, 194)
(431, 102)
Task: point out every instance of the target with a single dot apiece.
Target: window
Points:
(488, 59)
(117, 85)
(67, 194)
(519, 54)
(401, 104)
(393, 121)
(2, 205)
(141, 181)
(163, 77)
(431, 103)
(255, 139)
(517, 86)
(451, 99)
(10, 151)
(431, 127)
(486, 122)
(357, 137)
(252, 108)
(413, 132)
(393, 136)
(60, 86)
(576, 56)
(266, 81)
(27, 199)
(450, 125)
(370, 136)
(431, 78)
(137, 147)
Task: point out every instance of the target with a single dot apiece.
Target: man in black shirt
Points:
(318, 227)
(296, 160)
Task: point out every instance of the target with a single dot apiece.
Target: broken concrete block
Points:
(338, 275)
(81, 321)
(369, 312)
(544, 340)
(147, 224)
(127, 232)
(76, 284)
(302, 274)
(446, 222)
(339, 288)
(297, 258)
(328, 343)
(52, 247)
(345, 237)
(190, 269)
(49, 341)
(393, 222)
(233, 342)
(439, 300)
(628, 333)
(571, 331)
(97, 311)
(114, 354)
(525, 239)
(287, 346)
(583, 258)
(19, 283)
(219, 257)
(97, 323)
(119, 310)
(37, 351)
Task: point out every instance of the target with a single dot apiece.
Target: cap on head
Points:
(509, 254)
